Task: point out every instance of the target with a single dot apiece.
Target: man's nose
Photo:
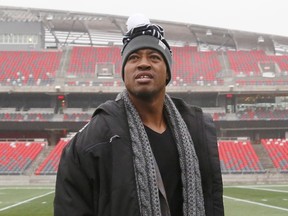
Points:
(144, 63)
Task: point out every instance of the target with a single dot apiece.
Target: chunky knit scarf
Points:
(145, 171)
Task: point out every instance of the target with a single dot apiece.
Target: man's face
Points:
(145, 74)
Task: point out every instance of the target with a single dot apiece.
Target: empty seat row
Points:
(16, 157)
(29, 67)
(50, 165)
(236, 156)
(189, 66)
(277, 150)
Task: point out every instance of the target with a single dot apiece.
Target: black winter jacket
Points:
(96, 173)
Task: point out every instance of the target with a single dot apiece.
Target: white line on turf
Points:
(256, 203)
(25, 201)
(27, 188)
(264, 189)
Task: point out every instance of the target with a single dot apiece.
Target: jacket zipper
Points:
(113, 137)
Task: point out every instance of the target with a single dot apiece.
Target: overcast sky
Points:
(260, 16)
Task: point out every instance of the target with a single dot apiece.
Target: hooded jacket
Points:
(96, 172)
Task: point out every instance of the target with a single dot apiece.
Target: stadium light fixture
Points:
(209, 32)
(260, 39)
(49, 17)
(268, 74)
(57, 88)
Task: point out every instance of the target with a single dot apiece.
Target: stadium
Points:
(56, 67)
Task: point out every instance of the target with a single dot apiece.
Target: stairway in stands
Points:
(41, 157)
(264, 158)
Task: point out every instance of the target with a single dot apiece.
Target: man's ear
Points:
(167, 76)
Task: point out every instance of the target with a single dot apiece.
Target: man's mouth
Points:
(144, 77)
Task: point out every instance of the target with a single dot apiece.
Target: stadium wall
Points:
(228, 179)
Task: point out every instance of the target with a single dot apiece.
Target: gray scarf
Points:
(145, 171)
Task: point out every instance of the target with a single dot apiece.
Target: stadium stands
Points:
(32, 114)
(278, 152)
(50, 165)
(238, 157)
(85, 116)
(17, 156)
(282, 62)
(29, 68)
(255, 67)
(77, 117)
(190, 66)
(84, 60)
(246, 62)
(259, 114)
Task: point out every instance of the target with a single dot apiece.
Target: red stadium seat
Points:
(16, 157)
(50, 165)
(277, 150)
(238, 157)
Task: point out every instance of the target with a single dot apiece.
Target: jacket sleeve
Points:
(217, 188)
(73, 196)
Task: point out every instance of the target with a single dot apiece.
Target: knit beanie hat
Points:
(142, 34)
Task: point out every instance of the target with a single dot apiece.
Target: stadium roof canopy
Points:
(67, 28)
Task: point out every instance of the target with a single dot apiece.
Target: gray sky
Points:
(260, 16)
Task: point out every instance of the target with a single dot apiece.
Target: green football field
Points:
(260, 200)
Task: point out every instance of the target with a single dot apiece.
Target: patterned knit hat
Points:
(140, 35)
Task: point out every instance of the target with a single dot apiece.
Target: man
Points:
(144, 153)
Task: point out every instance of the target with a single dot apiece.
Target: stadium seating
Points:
(77, 117)
(282, 61)
(50, 165)
(205, 67)
(277, 150)
(191, 66)
(182, 57)
(83, 61)
(246, 67)
(18, 117)
(20, 68)
(11, 117)
(17, 156)
(258, 114)
(238, 157)
(246, 62)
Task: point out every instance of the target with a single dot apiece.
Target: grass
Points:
(26, 201)
(264, 200)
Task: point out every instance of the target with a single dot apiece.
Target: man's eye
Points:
(132, 57)
(155, 57)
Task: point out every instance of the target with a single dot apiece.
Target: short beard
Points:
(145, 95)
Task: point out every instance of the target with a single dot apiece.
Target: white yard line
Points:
(24, 187)
(256, 186)
(264, 189)
(256, 203)
(25, 201)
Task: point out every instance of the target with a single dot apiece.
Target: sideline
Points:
(256, 203)
(25, 201)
